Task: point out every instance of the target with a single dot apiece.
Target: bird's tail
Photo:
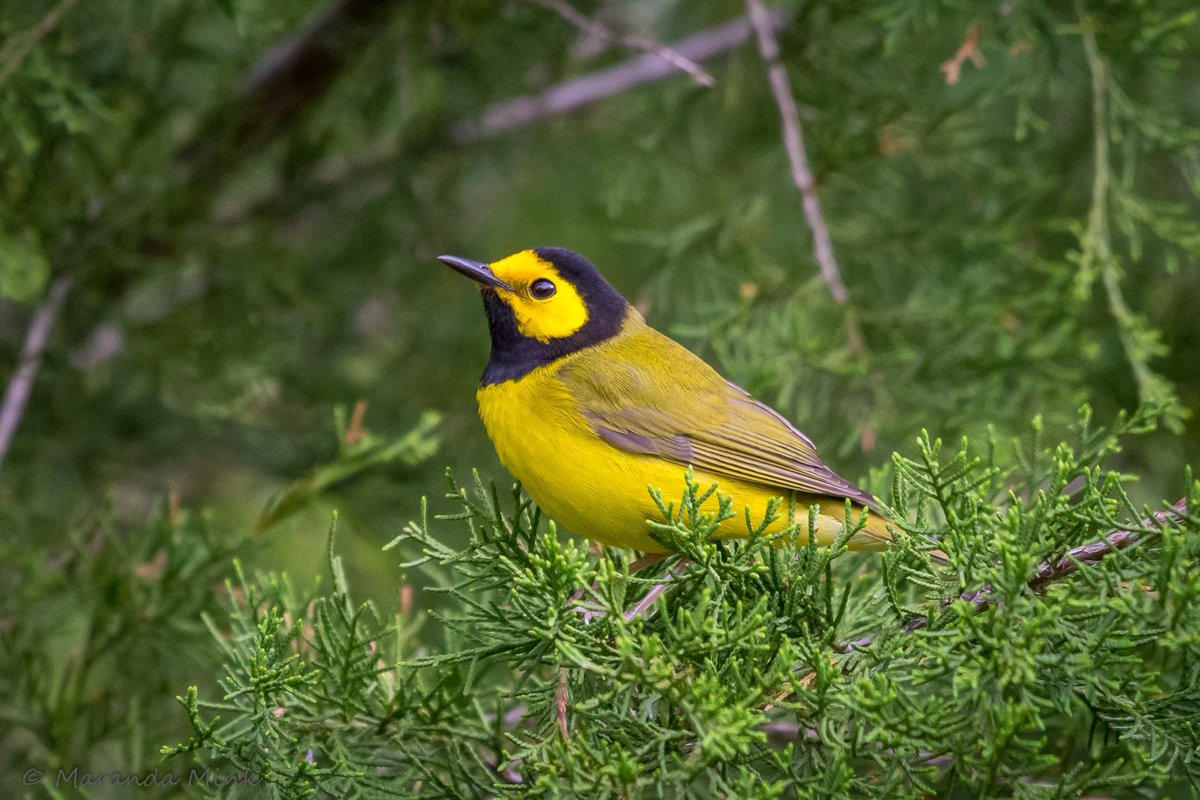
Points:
(875, 535)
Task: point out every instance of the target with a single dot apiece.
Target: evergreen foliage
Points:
(226, 216)
(758, 668)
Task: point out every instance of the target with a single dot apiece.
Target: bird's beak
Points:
(475, 270)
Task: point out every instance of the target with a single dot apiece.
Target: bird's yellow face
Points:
(541, 305)
(544, 302)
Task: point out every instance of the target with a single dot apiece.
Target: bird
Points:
(589, 408)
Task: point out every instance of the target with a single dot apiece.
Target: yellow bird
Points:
(587, 406)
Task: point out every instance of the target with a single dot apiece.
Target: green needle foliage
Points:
(763, 667)
(94, 628)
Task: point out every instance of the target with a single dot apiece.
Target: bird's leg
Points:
(645, 561)
(657, 589)
(636, 565)
(587, 613)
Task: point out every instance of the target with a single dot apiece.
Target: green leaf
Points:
(24, 269)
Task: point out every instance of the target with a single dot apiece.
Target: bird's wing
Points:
(648, 394)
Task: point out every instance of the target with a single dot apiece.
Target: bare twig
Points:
(967, 51)
(793, 142)
(572, 94)
(16, 395)
(1047, 572)
(372, 160)
(560, 704)
(21, 45)
(779, 730)
(648, 560)
(355, 431)
(642, 44)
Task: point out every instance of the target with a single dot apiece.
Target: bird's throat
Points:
(515, 355)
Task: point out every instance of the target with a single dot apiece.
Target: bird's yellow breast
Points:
(591, 487)
(578, 480)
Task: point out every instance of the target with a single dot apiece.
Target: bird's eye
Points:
(542, 288)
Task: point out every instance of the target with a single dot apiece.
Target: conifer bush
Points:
(1029, 666)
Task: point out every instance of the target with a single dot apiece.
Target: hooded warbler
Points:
(588, 406)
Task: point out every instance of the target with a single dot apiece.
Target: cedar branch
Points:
(561, 697)
(656, 591)
(642, 44)
(1047, 572)
(572, 94)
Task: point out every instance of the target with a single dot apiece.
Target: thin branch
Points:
(16, 395)
(373, 159)
(573, 94)
(355, 431)
(793, 142)
(561, 697)
(1088, 554)
(1096, 243)
(782, 731)
(21, 45)
(1048, 571)
(642, 44)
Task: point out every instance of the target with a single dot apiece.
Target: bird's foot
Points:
(648, 560)
(641, 606)
(646, 601)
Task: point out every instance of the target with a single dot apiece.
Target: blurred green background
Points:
(239, 273)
